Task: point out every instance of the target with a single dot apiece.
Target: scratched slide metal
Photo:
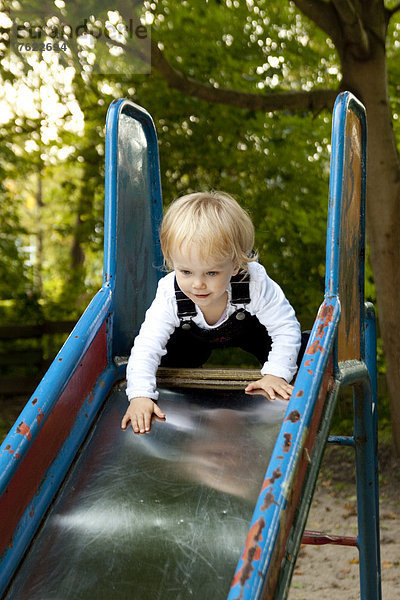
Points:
(161, 516)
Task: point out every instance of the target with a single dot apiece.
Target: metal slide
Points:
(161, 516)
(90, 511)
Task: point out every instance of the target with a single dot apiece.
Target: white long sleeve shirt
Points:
(267, 302)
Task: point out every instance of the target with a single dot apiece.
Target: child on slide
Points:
(216, 295)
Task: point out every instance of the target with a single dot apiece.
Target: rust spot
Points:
(60, 360)
(300, 394)
(17, 456)
(309, 371)
(40, 416)
(288, 442)
(326, 314)
(315, 347)
(276, 473)
(24, 429)
(251, 552)
(32, 513)
(293, 416)
(308, 362)
(102, 384)
(90, 399)
(9, 449)
(34, 401)
(269, 500)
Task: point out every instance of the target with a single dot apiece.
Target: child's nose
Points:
(198, 283)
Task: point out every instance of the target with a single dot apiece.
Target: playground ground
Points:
(332, 571)
(328, 571)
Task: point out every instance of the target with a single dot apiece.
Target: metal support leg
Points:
(365, 436)
(366, 492)
(370, 359)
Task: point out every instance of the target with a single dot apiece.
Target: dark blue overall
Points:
(191, 346)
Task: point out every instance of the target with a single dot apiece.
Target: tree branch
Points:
(341, 20)
(322, 14)
(298, 100)
(355, 31)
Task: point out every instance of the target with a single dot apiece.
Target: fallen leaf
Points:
(351, 510)
(326, 483)
(390, 515)
(316, 524)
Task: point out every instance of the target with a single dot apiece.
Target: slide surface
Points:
(160, 516)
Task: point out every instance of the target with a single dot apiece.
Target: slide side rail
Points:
(49, 390)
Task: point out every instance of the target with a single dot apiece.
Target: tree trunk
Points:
(369, 82)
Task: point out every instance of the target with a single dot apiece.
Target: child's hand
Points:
(140, 414)
(271, 386)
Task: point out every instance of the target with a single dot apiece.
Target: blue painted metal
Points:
(340, 440)
(132, 253)
(132, 256)
(267, 560)
(356, 374)
(370, 485)
(52, 386)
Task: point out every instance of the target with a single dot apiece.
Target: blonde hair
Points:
(215, 222)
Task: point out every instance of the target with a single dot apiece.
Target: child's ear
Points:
(235, 271)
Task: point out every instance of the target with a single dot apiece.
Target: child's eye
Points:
(212, 273)
(185, 272)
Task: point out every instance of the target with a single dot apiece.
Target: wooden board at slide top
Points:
(351, 243)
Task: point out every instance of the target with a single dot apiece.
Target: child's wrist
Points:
(139, 398)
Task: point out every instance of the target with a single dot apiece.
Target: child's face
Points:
(203, 281)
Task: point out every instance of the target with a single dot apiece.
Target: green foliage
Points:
(392, 52)
(277, 165)
(12, 274)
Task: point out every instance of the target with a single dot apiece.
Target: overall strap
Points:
(186, 307)
(240, 285)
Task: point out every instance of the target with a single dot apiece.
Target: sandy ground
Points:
(333, 571)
